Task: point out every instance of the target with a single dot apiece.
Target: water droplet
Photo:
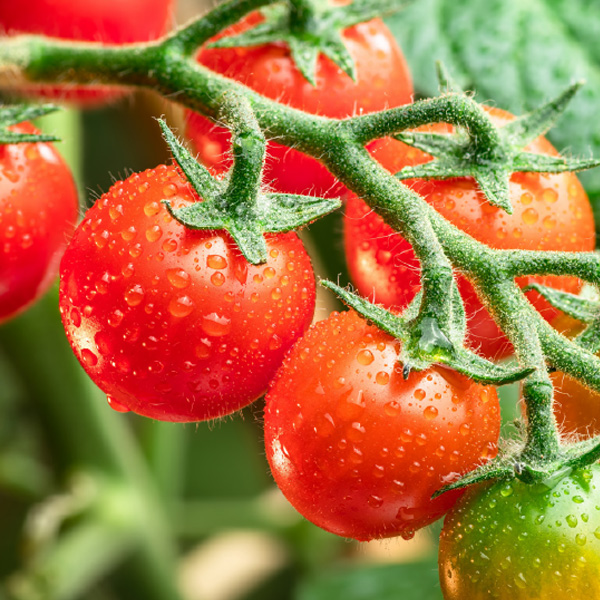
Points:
(365, 357)
(181, 306)
(151, 208)
(375, 502)
(216, 325)
(178, 278)
(571, 520)
(276, 293)
(549, 195)
(217, 279)
(115, 318)
(431, 412)
(134, 295)
(419, 394)
(392, 409)
(215, 261)
(530, 216)
(116, 405)
(89, 358)
(169, 190)
(75, 317)
(153, 233)
(382, 378)
(464, 429)
(506, 491)
(407, 534)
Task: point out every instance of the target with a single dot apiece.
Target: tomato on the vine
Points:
(104, 21)
(523, 541)
(172, 323)
(38, 212)
(357, 449)
(383, 81)
(550, 212)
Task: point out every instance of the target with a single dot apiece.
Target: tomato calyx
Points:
(13, 115)
(237, 202)
(491, 162)
(425, 341)
(310, 28)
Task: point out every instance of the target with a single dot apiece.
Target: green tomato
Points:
(511, 540)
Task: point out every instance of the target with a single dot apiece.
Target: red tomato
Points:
(105, 21)
(357, 449)
(38, 212)
(171, 323)
(551, 212)
(383, 80)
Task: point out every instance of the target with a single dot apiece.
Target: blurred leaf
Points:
(413, 581)
(515, 54)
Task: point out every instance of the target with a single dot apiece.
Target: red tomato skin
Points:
(383, 81)
(551, 212)
(171, 323)
(103, 21)
(357, 449)
(38, 213)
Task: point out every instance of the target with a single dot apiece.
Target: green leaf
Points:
(515, 54)
(496, 468)
(413, 581)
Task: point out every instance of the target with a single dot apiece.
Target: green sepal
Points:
(202, 181)
(526, 128)
(496, 468)
(246, 221)
(577, 307)
(433, 345)
(455, 155)
(446, 82)
(321, 34)
(13, 115)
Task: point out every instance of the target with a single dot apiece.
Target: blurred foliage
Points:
(515, 55)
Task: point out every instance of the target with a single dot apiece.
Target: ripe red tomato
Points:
(357, 449)
(105, 21)
(383, 80)
(38, 212)
(519, 541)
(171, 323)
(551, 212)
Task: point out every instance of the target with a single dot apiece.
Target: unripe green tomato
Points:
(511, 540)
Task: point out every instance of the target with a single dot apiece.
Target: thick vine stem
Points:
(585, 265)
(455, 109)
(248, 147)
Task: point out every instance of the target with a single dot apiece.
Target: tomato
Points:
(576, 407)
(383, 80)
(551, 212)
(172, 323)
(38, 212)
(357, 449)
(105, 21)
(519, 541)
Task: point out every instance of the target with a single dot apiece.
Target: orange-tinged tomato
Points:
(357, 449)
(550, 212)
(383, 81)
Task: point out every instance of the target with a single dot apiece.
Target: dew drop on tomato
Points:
(116, 406)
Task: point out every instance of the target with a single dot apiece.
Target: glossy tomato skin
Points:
(383, 81)
(104, 21)
(357, 449)
(38, 213)
(514, 540)
(551, 212)
(171, 323)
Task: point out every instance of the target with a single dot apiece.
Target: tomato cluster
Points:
(175, 324)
